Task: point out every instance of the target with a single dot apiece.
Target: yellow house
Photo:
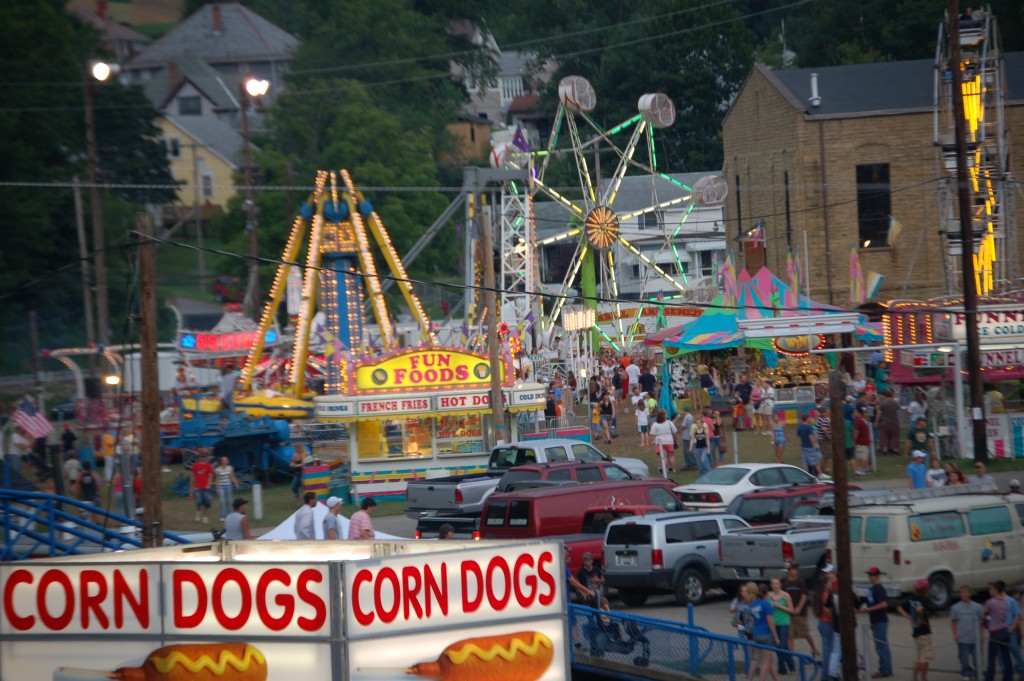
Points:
(204, 155)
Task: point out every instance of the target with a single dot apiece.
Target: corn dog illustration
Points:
(190, 662)
(521, 656)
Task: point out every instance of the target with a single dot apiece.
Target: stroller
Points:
(607, 635)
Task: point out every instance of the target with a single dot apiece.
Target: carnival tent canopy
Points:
(751, 297)
(659, 337)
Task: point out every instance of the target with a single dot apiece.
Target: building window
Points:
(650, 220)
(190, 106)
(874, 204)
(707, 263)
(173, 147)
(511, 88)
(207, 185)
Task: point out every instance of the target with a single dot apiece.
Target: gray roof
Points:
(885, 87)
(214, 134)
(245, 36)
(159, 88)
(514, 63)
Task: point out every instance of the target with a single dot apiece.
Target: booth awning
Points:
(659, 337)
(706, 245)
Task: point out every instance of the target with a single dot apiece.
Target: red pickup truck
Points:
(591, 535)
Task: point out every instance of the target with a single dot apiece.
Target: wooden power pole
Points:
(152, 515)
(491, 320)
(847, 624)
(975, 381)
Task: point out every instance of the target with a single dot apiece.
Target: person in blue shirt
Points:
(762, 628)
(809, 453)
(917, 472)
(1012, 620)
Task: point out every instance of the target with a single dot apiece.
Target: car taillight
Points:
(706, 497)
(896, 557)
(458, 495)
(657, 560)
(787, 552)
(476, 535)
(418, 535)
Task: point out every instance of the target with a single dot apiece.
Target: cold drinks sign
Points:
(996, 323)
(456, 615)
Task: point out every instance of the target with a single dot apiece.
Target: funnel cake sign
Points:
(425, 369)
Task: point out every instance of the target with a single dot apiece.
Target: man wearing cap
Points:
(877, 607)
(917, 472)
(915, 609)
(1014, 487)
(919, 437)
(330, 521)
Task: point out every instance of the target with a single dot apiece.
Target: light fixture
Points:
(257, 87)
(867, 243)
(112, 379)
(101, 70)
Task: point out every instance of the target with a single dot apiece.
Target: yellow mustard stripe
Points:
(462, 654)
(217, 667)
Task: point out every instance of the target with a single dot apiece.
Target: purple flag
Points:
(519, 140)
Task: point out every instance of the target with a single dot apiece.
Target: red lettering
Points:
(93, 601)
(19, 622)
(411, 583)
(472, 604)
(416, 376)
(444, 360)
(461, 373)
(399, 376)
(224, 577)
(437, 590)
(447, 375)
(363, 617)
(139, 604)
(524, 599)
(430, 375)
(286, 602)
(194, 619)
(547, 577)
(389, 575)
(311, 599)
(45, 616)
(498, 564)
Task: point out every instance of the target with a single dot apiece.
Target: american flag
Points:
(35, 424)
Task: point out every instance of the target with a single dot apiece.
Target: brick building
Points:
(837, 166)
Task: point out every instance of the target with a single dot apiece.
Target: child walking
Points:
(642, 423)
(779, 437)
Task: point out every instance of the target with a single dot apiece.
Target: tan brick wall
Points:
(764, 136)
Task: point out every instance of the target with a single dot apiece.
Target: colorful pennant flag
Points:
(894, 231)
(872, 284)
(730, 288)
(856, 276)
(519, 140)
(793, 272)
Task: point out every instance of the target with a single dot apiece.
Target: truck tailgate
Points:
(447, 495)
(747, 551)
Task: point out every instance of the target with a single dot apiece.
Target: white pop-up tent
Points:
(286, 530)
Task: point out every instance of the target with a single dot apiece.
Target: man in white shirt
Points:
(304, 518)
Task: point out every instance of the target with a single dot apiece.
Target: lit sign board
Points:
(799, 345)
(995, 324)
(239, 341)
(425, 369)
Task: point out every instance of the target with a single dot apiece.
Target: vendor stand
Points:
(420, 413)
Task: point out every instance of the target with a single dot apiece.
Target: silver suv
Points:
(668, 552)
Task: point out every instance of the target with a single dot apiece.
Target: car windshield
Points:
(722, 476)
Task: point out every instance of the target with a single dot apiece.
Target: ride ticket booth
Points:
(283, 610)
(419, 413)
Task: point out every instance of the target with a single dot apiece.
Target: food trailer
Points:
(279, 611)
(420, 412)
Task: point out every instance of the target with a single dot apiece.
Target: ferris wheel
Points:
(595, 221)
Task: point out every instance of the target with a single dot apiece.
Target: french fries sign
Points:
(460, 615)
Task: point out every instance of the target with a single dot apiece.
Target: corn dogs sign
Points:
(453, 615)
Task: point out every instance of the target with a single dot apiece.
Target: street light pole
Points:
(248, 90)
(96, 208)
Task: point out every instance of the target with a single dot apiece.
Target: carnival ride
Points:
(995, 240)
(606, 235)
(337, 221)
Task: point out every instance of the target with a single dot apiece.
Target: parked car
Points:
(529, 476)
(672, 552)
(961, 535)
(464, 495)
(717, 488)
(781, 505)
(548, 511)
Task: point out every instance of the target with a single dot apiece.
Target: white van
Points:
(951, 536)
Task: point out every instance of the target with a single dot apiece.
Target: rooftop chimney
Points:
(218, 22)
(172, 73)
(815, 97)
(101, 9)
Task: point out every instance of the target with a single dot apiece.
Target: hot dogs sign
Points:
(460, 615)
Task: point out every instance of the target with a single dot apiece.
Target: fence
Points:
(632, 647)
(572, 426)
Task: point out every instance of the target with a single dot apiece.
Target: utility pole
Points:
(252, 288)
(99, 242)
(847, 624)
(33, 329)
(83, 261)
(491, 320)
(974, 377)
(197, 217)
(152, 514)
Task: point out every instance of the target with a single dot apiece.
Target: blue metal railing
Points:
(634, 647)
(37, 524)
